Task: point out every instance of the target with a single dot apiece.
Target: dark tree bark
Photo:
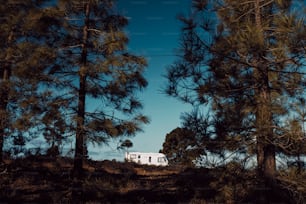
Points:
(5, 70)
(80, 130)
(265, 150)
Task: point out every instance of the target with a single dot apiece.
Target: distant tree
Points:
(181, 147)
(103, 77)
(244, 60)
(126, 144)
(19, 144)
(294, 145)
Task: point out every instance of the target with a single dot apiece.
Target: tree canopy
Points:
(180, 147)
(245, 61)
(78, 81)
(26, 56)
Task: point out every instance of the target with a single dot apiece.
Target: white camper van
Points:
(157, 159)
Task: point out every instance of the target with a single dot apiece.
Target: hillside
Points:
(42, 180)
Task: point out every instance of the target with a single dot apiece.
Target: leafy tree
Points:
(181, 147)
(102, 76)
(126, 144)
(245, 60)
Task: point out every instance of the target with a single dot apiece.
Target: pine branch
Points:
(96, 31)
(70, 47)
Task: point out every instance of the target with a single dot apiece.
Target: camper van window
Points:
(133, 156)
(138, 156)
(149, 159)
(161, 159)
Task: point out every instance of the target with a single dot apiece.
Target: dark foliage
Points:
(43, 179)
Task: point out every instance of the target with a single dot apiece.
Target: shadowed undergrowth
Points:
(43, 180)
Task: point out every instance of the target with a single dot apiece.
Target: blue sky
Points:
(153, 31)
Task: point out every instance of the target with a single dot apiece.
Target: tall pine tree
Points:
(103, 76)
(26, 56)
(245, 59)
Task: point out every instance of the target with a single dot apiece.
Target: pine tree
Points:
(25, 58)
(295, 145)
(103, 76)
(245, 59)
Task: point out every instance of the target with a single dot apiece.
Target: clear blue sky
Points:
(153, 31)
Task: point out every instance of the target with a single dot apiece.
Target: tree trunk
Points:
(265, 150)
(3, 105)
(80, 130)
(3, 117)
(4, 94)
(260, 154)
(264, 119)
(269, 161)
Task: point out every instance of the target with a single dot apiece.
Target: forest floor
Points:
(45, 180)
